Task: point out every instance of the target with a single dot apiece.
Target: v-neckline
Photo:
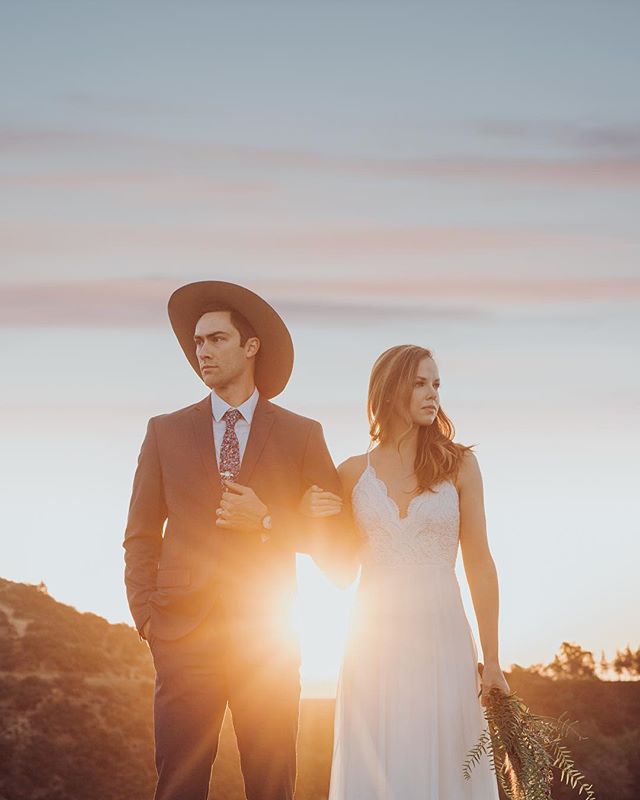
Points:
(388, 496)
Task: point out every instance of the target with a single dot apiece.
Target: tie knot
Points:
(231, 416)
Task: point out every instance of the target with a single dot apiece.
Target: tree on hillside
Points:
(603, 665)
(571, 663)
(628, 662)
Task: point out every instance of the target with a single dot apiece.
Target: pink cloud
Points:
(558, 172)
(619, 139)
(40, 237)
(149, 181)
(142, 303)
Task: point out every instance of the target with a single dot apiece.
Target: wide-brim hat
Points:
(274, 360)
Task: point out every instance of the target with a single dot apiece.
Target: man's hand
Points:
(318, 503)
(240, 508)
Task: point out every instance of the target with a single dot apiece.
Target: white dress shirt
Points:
(219, 407)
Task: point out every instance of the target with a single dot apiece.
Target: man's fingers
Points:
(226, 519)
(231, 499)
(327, 496)
(322, 506)
(326, 507)
(238, 488)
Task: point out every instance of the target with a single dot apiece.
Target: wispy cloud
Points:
(142, 303)
(618, 170)
(69, 238)
(154, 182)
(616, 140)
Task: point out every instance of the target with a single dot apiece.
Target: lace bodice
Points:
(427, 535)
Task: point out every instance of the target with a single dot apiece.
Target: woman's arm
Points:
(480, 568)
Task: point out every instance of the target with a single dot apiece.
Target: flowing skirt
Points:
(407, 706)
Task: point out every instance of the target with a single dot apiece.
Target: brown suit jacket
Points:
(178, 563)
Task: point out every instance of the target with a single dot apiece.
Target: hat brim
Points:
(274, 360)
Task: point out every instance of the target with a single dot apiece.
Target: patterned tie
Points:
(230, 447)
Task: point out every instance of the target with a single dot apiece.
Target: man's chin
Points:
(214, 380)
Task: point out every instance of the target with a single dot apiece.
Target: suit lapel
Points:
(261, 423)
(202, 419)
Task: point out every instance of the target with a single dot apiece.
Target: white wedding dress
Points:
(407, 706)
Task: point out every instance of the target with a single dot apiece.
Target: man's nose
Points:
(203, 352)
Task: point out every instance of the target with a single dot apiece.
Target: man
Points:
(210, 545)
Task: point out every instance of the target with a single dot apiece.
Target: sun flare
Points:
(321, 617)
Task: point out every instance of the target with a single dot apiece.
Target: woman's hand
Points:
(318, 503)
(492, 676)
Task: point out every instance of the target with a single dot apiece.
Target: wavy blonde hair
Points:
(438, 457)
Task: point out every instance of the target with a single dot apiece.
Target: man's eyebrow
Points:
(208, 335)
(422, 378)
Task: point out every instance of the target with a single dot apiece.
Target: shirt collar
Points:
(219, 406)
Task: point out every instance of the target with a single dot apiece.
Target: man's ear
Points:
(252, 345)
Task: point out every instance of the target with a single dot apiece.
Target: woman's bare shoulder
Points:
(468, 469)
(351, 469)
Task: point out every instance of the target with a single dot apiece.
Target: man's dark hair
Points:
(238, 320)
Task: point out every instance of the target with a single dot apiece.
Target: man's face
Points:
(222, 359)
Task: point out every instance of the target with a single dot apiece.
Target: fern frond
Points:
(524, 749)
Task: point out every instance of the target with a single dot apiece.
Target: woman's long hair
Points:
(391, 383)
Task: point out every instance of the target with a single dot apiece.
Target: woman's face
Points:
(425, 400)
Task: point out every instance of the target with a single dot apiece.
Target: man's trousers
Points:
(250, 663)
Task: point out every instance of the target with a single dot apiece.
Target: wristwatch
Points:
(266, 526)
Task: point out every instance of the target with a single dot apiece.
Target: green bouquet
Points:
(524, 749)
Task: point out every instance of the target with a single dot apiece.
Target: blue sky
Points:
(465, 176)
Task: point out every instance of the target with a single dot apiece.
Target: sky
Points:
(462, 176)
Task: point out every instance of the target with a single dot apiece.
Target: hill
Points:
(76, 698)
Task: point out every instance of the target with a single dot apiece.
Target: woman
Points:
(408, 707)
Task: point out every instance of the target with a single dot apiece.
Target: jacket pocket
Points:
(173, 577)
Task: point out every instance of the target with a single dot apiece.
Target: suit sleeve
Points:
(143, 534)
(331, 541)
(290, 528)
(334, 542)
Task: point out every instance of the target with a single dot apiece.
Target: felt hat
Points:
(274, 360)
